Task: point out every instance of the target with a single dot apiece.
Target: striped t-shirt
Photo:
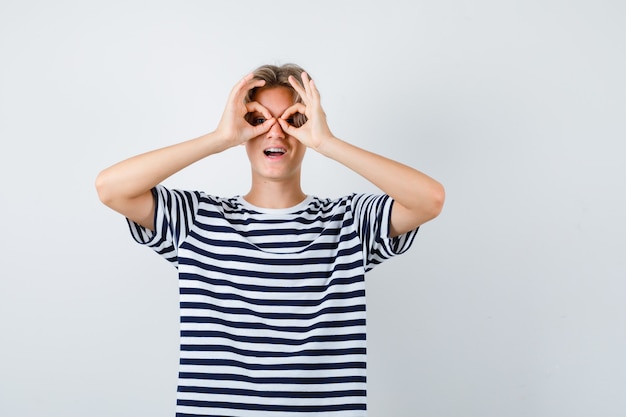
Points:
(272, 301)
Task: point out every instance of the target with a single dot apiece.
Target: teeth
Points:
(274, 150)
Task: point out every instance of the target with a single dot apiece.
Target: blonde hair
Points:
(278, 76)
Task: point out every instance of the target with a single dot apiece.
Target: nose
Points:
(276, 132)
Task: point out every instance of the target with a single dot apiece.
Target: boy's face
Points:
(274, 155)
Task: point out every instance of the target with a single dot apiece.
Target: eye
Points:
(291, 121)
(254, 120)
(257, 121)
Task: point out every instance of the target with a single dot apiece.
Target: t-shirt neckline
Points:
(298, 207)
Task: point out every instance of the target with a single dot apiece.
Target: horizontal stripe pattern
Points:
(272, 302)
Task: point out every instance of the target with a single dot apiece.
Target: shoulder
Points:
(358, 201)
(175, 199)
(324, 205)
(351, 202)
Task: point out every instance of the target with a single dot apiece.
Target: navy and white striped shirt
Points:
(272, 301)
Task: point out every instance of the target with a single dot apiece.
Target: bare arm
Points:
(417, 197)
(126, 186)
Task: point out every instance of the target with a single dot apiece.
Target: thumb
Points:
(287, 128)
(263, 127)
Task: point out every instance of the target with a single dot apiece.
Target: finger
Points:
(290, 111)
(306, 81)
(315, 93)
(254, 83)
(295, 115)
(287, 128)
(246, 84)
(237, 87)
(259, 130)
(298, 87)
(247, 78)
(311, 89)
(264, 127)
(255, 106)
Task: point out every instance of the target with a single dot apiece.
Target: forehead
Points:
(275, 99)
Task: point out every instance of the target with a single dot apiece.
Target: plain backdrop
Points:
(511, 303)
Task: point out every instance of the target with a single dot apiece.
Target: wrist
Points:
(327, 145)
(217, 141)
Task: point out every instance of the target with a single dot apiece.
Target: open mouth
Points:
(274, 152)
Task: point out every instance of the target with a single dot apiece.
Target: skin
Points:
(126, 186)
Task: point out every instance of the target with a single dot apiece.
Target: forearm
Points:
(418, 194)
(136, 176)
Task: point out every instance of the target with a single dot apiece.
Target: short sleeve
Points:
(174, 216)
(372, 216)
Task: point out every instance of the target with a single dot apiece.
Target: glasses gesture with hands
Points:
(237, 129)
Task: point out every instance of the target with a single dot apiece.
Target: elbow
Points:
(439, 198)
(103, 188)
(436, 200)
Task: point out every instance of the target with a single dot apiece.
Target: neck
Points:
(275, 194)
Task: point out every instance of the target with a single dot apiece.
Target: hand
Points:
(315, 130)
(233, 126)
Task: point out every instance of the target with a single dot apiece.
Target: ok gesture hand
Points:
(233, 126)
(315, 131)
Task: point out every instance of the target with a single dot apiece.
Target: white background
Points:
(511, 303)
